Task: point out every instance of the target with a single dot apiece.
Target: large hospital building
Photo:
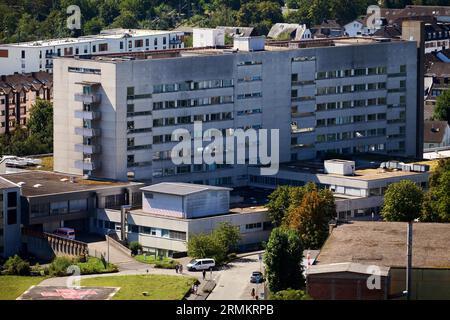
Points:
(114, 115)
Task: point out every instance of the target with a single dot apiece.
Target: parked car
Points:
(67, 233)
(256, 277)
(201, 264)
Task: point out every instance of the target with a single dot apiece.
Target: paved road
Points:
(234, 281)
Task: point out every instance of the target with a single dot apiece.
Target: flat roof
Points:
(345, 267)
(273, 45)
(384, 244)
(104, 35)
(366, 169)
(181, 189)
(6, 184)
(39, 183)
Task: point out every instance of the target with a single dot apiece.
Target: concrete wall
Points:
(11, 239)
(427, 284)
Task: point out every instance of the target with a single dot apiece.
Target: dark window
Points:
(12, 199)
(12, 216)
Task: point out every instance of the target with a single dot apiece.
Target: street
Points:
(233, 282)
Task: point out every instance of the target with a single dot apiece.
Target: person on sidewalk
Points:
(180, 268)
(204, 274)
(253, 293)
(176, 268)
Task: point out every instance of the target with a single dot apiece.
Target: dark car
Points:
(257, 277)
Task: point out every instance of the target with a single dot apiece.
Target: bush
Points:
(96, 266)
(16, 266)
(58, 268)
(166, 264)
(135, 247)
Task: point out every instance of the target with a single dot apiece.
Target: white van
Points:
(67, 233)
(201, 264)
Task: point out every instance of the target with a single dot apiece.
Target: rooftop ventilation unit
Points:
(38, 185)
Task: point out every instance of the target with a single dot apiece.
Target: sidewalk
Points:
(201, 295)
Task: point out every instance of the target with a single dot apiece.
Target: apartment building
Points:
(38, 55)
(115, 115)
(18, 93)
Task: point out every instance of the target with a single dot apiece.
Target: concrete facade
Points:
(354, 96)
(10, 218)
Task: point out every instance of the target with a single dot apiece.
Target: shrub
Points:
(135, 247)
(166, 264)
(58, 268)
(16, 266)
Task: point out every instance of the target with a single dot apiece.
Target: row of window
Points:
(171, 121)
(350, 119)
(351, 104)
(192, 102)
(331, 137)
(192, 85)
(162, 172)
(354, 72)
(249, 95)
(157, 232)
(349, 88)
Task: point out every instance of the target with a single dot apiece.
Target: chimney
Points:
(414, 30)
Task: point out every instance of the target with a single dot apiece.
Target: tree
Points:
(206, 246)
(278, 204)
(442, 109)
(436, 206)
(283, 260)
(40, 124)
(312, 217)
(262, 15)
(402, 201)
(227, 235)
(290, 294)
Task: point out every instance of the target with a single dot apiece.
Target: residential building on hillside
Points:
(38, 55)
(115, 115)
(18, 93)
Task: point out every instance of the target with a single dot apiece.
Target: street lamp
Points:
(107, 239)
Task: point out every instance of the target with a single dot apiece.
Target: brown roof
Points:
(438, 69)
(25, 82)
(434, 131)
(384, 244)
(50, 183)
(391, 31)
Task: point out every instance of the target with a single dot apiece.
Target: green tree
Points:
(442, 109)
(283, 260)
(93, 26)
(278, 205)
(227, 235)
(206, 246)
(436, 206)
(290, 294)
(40, 124)
(312, 217)
(402, 202)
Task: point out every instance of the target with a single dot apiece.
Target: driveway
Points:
(233, 282)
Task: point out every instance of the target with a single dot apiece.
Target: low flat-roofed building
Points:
(50, 200)
(172, 212)
(9, 218)
(358, 189)
(383, 245)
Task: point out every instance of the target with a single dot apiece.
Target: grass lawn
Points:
(159, 287)
(165, 263)
(11, 287)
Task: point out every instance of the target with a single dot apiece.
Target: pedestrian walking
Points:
(204, 274)
(195, 289)
(253, 293)
(176, 268)
(181, 268)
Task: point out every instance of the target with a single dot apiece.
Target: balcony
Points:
(87, 132)
(88, 98)
(87, 115)
(86, 165)
(87, 149)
